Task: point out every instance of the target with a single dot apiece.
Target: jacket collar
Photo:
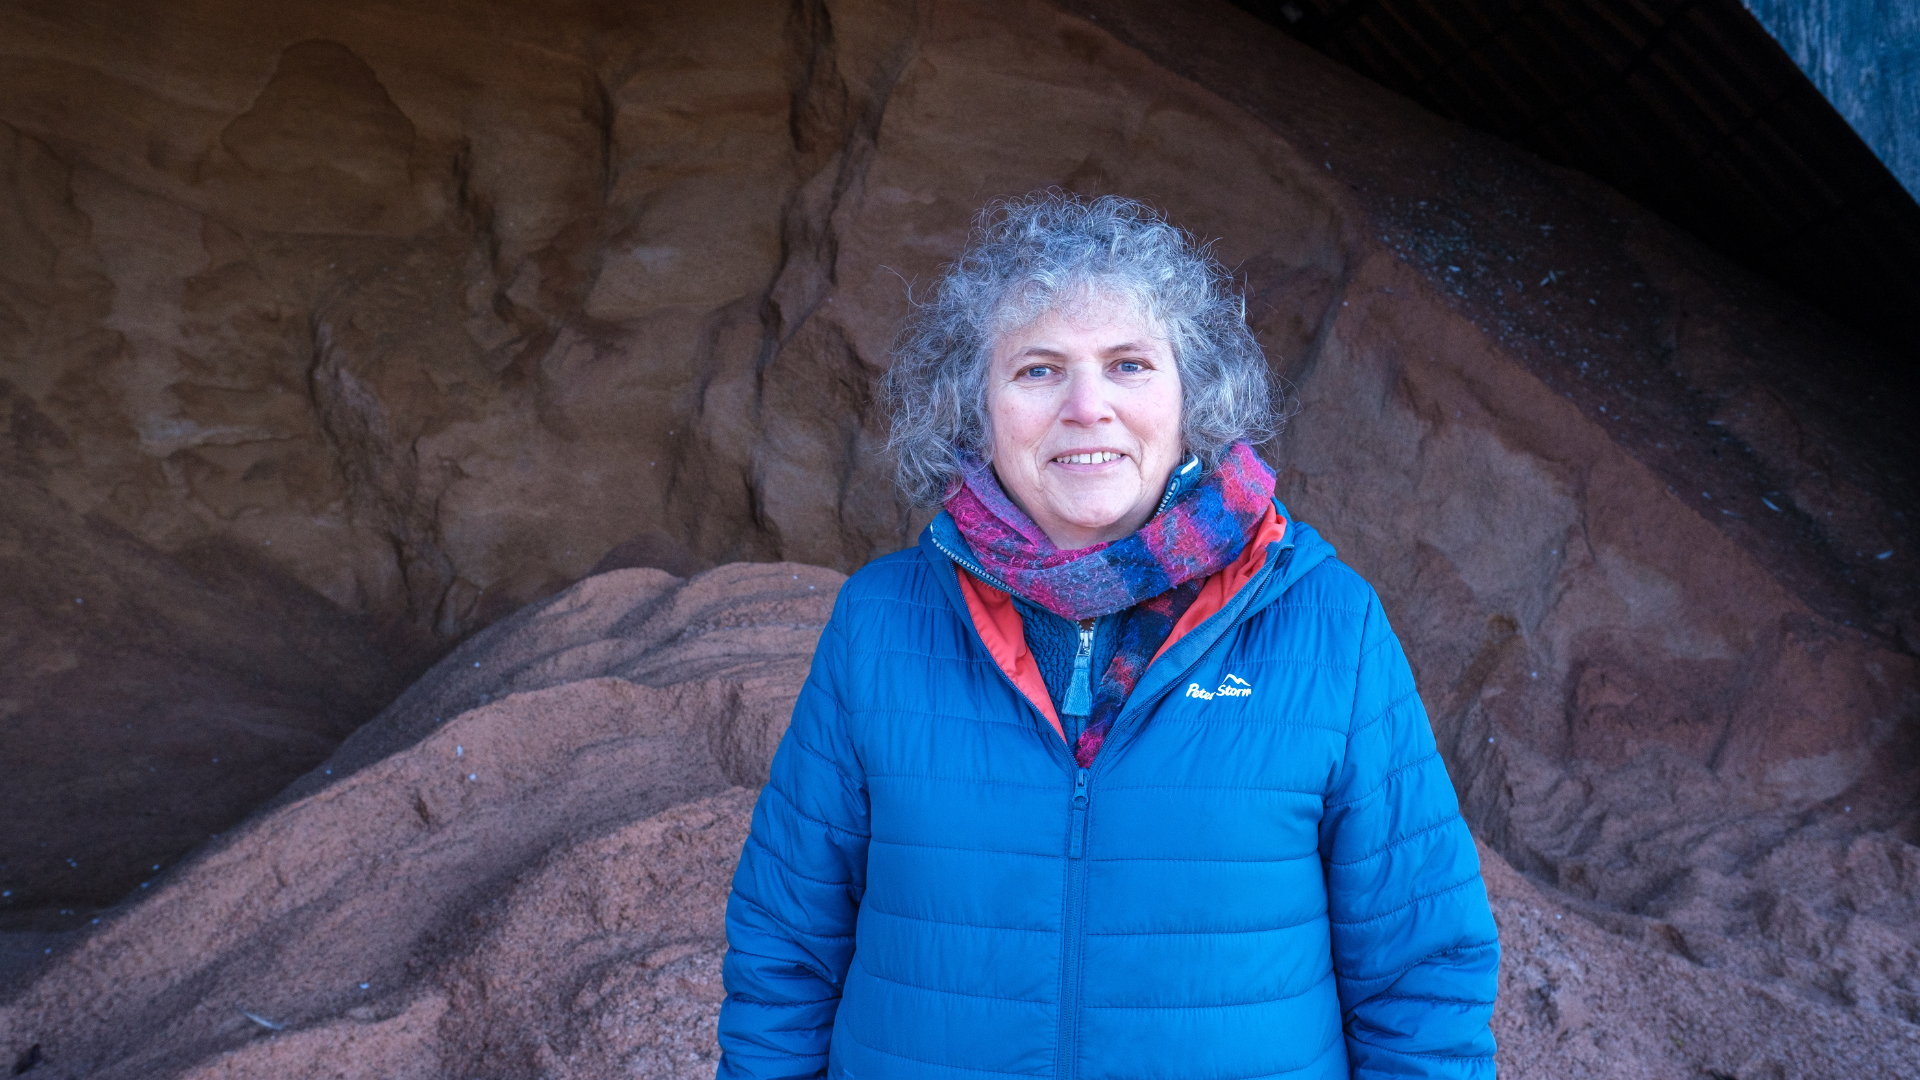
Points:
(1253, 581)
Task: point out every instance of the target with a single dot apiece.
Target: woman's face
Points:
(1085, 406)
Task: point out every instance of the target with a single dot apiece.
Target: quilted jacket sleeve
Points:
(1415, 950)
(790, 919)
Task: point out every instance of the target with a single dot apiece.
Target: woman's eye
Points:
(1130, 367)
(1038, 371)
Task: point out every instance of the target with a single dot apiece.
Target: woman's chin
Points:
(1089, 525)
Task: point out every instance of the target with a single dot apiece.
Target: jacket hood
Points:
(1302, 549)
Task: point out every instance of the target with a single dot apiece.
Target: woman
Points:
(1117, 773)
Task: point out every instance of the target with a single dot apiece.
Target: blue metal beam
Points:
(1864, 55)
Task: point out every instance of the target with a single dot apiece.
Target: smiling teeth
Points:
(1100, 458)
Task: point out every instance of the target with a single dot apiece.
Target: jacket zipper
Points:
(1066, 1065)
(1068, 1054)
(970, 566)
(1076, 863)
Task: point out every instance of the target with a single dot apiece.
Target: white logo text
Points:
(1234, 686)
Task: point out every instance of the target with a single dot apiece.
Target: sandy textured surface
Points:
(521, 869)
(519, 838)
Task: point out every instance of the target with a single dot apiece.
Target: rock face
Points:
(454, 305)
(520, 869)
(420, 316)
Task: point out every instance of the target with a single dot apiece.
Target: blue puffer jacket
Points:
(1270, 883)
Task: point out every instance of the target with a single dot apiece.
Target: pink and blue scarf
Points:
(1153, 576)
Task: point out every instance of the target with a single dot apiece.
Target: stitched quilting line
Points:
(789, 927)
(932, 1064)
(922, 655)
(1367, 652)
(760, 1050)
(1212, 787)
(872, 974)
(967, 850)
(831, 764)
(1410, 903)
(1387, 978)
(1405, 839)
(941, 607)
(868, 908)
(824, 684)
(1333, 1039)
(810, 969)
(1388, 710)
(1343, 667)
(1430, 1057)
(1237, 717)
(1384, 781)
(788, 867)
(737, 996)
(1360, 663)
(1424, 1000)
(1274, 861)
(1297, 605)
(972, 781)
(1312, 1063)
(1317, 984)
(1011, 720)
(794, 808)
(1310, 920)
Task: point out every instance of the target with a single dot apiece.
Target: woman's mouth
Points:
(1097, 457)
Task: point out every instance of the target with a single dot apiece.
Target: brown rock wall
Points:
(450, 309)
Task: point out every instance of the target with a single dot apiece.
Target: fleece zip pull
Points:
(1079, 703)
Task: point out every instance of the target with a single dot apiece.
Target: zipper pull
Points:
(1079, 700)
(1077, 837)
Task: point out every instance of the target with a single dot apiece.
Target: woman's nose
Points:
(1086, 399)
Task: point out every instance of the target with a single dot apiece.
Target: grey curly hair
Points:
(1032, 255)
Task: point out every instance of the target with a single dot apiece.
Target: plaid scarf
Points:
(1154, 575)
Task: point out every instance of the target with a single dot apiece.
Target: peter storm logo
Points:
(1233, 686)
